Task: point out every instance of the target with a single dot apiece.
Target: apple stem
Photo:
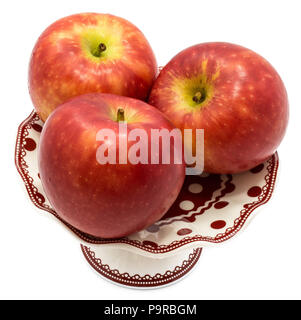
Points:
(198, 97)
(101, 48)
(120, 115)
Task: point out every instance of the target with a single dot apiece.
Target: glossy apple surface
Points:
(232, 93)
(104, 200)
(86, 53)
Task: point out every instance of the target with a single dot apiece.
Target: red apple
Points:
(105, 200)
(232, 93)
(86, 53)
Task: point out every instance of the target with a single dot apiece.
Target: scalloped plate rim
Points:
(188, 241)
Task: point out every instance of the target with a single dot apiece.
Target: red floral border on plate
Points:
(137, 280)
(38, 200)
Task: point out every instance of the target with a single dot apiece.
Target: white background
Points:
(40, 260)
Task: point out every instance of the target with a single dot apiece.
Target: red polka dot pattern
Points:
(36, 127)
(218, 224)
(258, 168)
(184, 231)
(30, 144)
(221, 204)
(254, 191)
(191, 201)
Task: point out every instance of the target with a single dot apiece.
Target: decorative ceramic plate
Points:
(210, 209)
